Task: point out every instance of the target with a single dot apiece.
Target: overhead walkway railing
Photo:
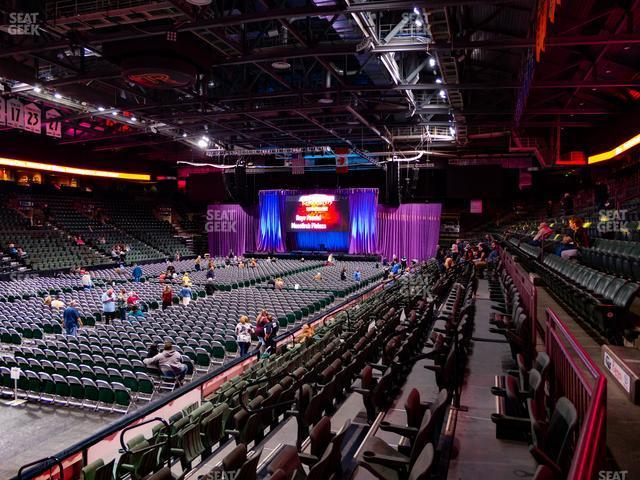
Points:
(105, 444)
(578, 378)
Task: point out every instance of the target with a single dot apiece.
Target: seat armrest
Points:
(307, 458)
(395, 463)
(378, 366)
(408, 432)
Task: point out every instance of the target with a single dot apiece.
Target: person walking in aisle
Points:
(71, 319)
(109, 305)
(243, 335)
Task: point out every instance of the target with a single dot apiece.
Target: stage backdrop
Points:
(410, 230)
(360, 238)
(231, 228)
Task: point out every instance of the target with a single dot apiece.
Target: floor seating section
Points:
(307, 381)
(62, 370)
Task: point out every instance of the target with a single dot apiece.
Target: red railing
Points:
(577, 377)
(526, 289)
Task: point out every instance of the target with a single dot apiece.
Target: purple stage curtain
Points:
(411, 230)
(363, 204)
(231, 228)
(271, 230)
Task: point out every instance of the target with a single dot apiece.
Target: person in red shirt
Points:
(132, 299)
(167, 297)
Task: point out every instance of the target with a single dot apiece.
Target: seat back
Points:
(422, 467)
(558, 439)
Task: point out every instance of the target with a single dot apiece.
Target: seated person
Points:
(272, 282)
(169, 361)
(279, 283)
(544, 232)
(136, 313)
(576, 239)
(343, 273)
(317, 277)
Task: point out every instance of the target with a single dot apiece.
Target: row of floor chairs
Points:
(81, 392)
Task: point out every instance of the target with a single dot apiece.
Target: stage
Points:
(348, 222)
(316, 255)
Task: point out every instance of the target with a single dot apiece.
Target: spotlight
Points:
(134, 119)
(37, 89)
(184, 134)
(416, 10)
(432, 62)
(114, 113)
(418, 22)
(57, 95)
(452, 131)
(438, 80)
(443, 94)
(101, 109)
(202, 143)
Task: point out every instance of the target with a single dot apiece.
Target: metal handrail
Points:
(55, 462)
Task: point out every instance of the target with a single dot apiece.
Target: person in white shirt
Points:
(87, 283)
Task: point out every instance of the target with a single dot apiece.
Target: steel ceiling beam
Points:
(247, 18)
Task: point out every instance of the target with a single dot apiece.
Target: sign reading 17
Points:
(16, 112)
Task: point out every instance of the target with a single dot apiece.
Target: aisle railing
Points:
(577, 377)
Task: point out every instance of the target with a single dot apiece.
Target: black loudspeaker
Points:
(392, 179)
(241, 188)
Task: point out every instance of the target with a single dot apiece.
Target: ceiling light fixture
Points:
(134, 119)
(114, 113)
(432, 62)
(443, 94)
(184, 134)
(101, 109)
(57, 95)
(281, 65)
(438, 80)
(418, 22)
(416, 10)
(37, 89)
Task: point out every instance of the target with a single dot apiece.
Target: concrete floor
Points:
(32, 431)
(480, 454)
